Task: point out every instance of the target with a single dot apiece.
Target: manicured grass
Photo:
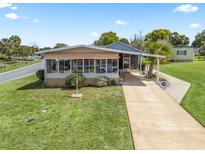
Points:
(16, 65)
(193, 72)
(98, 120)
(199, 58)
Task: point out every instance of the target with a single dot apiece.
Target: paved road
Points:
(157, 121)
(20, 72)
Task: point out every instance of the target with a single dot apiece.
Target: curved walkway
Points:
(177, 88)
(156, 120)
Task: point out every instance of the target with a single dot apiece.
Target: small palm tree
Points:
(160, 47)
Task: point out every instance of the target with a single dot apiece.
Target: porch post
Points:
(45, 69)
(140, 64)
(147, 69)
(158, 70)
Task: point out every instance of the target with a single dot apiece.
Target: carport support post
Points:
(45, 70)
(140, 64)
(147, 69)
(158, 70)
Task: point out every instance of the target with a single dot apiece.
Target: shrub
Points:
(40, 74)
(71, 80)
(143, 66)
(113, 82)
(101, 81)
(162, 79)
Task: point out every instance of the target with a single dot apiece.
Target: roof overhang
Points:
(102, 49)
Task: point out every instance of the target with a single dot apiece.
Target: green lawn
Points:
(193, 72)
(199, 58)
(98, 120)
(16, 65)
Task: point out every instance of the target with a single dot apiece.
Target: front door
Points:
(134, 62)
(126, 62)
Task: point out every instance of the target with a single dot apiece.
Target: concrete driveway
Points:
(157, 121)
(11, 75)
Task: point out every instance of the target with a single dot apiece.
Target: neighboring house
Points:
(91, 61)
(183, 54)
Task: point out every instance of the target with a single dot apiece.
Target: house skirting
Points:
(60, 82)
(181, 60)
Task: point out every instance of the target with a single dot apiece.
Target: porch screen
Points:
(88, 65)
(61, 66)
(67, 66)
(51, 65)
(64, 66)
(77, 66)
(112, 66)
(100, 65)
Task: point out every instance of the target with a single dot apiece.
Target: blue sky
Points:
(47, 24)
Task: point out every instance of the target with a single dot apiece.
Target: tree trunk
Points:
(151, 67)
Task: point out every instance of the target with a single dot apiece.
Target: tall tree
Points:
(107, 38)
(60, 45)
(26, 51)
(158, 34)
(179, 40)
(3, 46)
(15, 42)
(137, 41)
(124, 40)
(45, 48)
(160, 47)
(199, 40)
(6, 48)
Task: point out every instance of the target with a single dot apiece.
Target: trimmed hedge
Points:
(71, 80)
(40, 74)
(101, 81)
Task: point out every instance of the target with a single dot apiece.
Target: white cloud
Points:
(186, 8)
(35, 20)
(94, 34)
(3, 5)
(12, 16)
(14, 7)
(24, 17)
(195, 25)
(120, 22)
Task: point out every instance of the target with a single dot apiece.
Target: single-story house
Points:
(91, 61)
(183, 54)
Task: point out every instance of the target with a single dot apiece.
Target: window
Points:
(88, 65)
(77, 66)
(51, 65)
(100, 65)
(181, 52)
(112, 66)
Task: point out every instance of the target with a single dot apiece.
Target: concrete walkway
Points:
(156, 120)
(177, 88)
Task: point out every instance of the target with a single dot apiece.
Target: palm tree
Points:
(6, 48)
(15, 42)
(161, 47)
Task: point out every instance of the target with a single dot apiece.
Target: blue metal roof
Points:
(123, 46)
